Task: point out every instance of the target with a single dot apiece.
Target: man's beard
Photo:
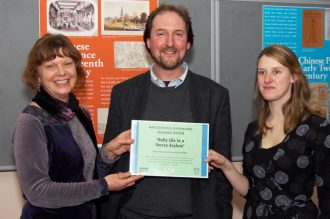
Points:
(168, 65)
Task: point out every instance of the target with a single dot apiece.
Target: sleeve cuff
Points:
(105, 159)
(103, 187)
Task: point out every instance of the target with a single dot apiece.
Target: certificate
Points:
(171, 149)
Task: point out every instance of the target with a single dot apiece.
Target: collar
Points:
(175, 83)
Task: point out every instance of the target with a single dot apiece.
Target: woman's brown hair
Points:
(297, 107)
(46, 49)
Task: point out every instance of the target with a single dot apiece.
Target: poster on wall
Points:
(109, 36)
(307, 32)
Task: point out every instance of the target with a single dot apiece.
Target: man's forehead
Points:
(168, 20)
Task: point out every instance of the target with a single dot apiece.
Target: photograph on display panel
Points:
(72, 18)
(124, 17)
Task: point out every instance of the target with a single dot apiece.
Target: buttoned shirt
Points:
(174, 83)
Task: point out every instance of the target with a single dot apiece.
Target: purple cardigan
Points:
(55, 164)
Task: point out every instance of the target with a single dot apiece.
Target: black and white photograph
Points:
(72, 18)
(131, 55)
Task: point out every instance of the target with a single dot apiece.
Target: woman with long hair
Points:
(286, 150)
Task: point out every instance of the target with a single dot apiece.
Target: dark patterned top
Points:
(282, 177)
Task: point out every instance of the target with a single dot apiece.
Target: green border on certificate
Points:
(171, 149)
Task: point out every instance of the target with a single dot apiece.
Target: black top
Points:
(163, 197)
(282, 177)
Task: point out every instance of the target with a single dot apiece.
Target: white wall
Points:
(11, 197)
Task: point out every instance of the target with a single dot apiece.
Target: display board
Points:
(19, 24)
(240, 43)
(236, 25)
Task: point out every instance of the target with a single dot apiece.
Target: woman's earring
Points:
(39, 85)
(38, 88)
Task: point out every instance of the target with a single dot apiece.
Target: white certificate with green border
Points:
(171, 149)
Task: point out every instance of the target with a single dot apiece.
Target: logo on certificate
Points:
(196, 171)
